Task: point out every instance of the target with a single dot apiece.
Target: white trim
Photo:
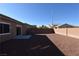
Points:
(5, 23)
(5, 33)
(9, 28)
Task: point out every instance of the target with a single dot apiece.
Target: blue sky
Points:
(42, 14)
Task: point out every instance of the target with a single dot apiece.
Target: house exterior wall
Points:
(24, 29)
(12, 34)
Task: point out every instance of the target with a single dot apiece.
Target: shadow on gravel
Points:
(38, 45)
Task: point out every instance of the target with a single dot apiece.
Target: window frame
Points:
(9, 28)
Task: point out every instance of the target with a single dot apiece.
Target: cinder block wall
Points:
(61, 31)
(40, 31)
(72, 32)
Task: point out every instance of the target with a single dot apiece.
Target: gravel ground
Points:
(37, 45)
(43, 45)
(68, 45)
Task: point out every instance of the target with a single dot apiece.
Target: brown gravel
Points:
(37, 45)
(69, 46)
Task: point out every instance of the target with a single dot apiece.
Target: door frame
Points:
(20, 27)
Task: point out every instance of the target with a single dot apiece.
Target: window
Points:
(4, 28)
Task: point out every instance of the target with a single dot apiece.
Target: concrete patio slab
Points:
(23, 37)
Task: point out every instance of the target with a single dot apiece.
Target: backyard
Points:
(37, 45)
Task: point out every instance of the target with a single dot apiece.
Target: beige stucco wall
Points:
(24, 29)
(12, 34)
(72, 32)
(5, 37)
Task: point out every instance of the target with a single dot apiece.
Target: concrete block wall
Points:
(71, 32)
(40, 31)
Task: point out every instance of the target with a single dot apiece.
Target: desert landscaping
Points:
(50, 44)
(38, 29)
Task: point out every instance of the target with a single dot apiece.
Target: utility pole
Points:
(66, 29)
(52, 22)
(51, 18)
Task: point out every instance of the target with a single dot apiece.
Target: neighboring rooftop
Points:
(67, 25)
